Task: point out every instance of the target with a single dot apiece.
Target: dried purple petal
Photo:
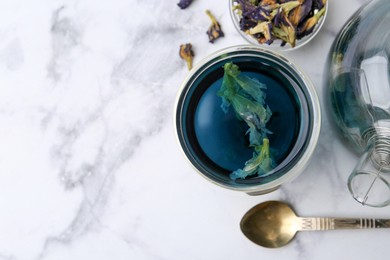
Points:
(285, 7)
(281, 19)
(246, 24)
(187, 54)
(286, 30)
(269, 3)
(309, 24)
(301, 12)
(284, 1)
(264, 28)
(183, 4)
(259, 14)
(214, 32)
(319, 4)
(288, 6)
(278, 18)
(246, 6)
(291, 32)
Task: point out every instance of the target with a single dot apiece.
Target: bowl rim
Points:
(312, 100)
(277, 47)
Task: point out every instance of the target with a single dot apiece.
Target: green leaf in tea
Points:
(261, 163)
(246, 96)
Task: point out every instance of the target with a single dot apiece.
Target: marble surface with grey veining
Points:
(89, 164)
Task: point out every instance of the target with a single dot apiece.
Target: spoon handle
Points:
(343, 223)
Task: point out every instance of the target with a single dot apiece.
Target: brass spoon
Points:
(274, 224)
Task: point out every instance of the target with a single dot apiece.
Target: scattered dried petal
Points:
(183, 4)
(187, 54)
(214, 31)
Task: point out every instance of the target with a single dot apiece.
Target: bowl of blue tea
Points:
(247, 119)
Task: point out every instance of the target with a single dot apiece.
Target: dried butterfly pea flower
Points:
(265, 28)
(187, 54)
(246, 24)
(243, 8)
(286, 7)
(319, 4)
(183, 4)
(310, 23)
(246, 6)
(270, 3)
(283, 29)
(301, 12)
(214, 31)
(289, 19)
(259, 14)
(284, 1)
(290, 29)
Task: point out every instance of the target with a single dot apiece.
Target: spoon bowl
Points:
(270, 224)
(274, 224)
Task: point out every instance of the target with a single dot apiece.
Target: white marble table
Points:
(89, 164)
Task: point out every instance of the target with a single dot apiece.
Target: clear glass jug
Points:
(359, 92)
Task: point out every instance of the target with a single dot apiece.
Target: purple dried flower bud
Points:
(265, 28)
(215, 31)
(308, 26)
(286, 30)
(246, 24)
(270, 3)
(259, 14)
(278, 18)
(246, 6)
(187, 54)
(301, 12)
(319, 4)
(183, 4)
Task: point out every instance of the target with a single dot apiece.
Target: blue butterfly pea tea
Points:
(216, 141)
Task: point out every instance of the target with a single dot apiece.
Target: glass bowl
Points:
(276, 45)
(216, 143)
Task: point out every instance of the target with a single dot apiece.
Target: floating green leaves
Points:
(246, 96)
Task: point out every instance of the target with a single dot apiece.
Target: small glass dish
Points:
(215, 143)
(276, 45)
